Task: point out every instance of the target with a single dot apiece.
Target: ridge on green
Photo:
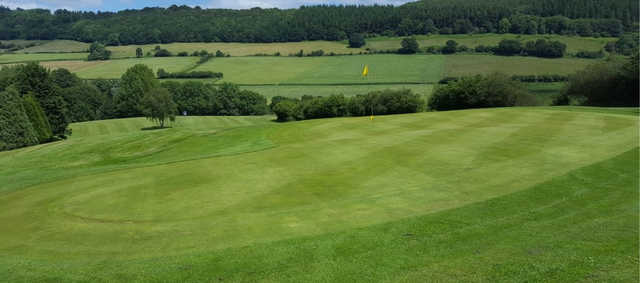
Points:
(479, 195)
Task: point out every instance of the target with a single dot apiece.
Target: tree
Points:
(135, 83)
(38, 119)
(35, 79)
(15, 128)
(495, 90)
(504, 26)
(450, 48)
(462, 26)
(288, 110)
(64, 79)
(158, 106)
(356, 40)
(409, 46)
(98, 51)
(139, 53)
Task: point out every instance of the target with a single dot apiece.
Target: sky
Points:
(116, 5)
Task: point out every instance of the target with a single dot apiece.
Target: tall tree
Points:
(158, 106)
(135, 82)
(15, 128)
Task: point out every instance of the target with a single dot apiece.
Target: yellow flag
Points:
(365, 72)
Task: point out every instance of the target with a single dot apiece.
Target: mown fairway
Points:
(483, 195)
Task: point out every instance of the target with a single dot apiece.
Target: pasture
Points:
(479, 195)
(22, 57)
(326, 90)
(574, 43)
(464, 65)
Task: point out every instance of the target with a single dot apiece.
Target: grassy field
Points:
(462, 65)
(328, 70)
(574, 43)
(58, 46)
(240, 49)
(114, 69)
(519, 194)
(21, 57)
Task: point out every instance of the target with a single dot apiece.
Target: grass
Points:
(240, 49)
(462, 65)
(574, 43)
(21, 57)
(58, 46)
(523, 194)
(328, 70)
(114, 69)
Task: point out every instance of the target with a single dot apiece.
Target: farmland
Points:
(218, 197)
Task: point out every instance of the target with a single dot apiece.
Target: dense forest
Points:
(187, 24)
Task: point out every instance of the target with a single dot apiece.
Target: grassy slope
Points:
(574, 43)
(319, 190)
(58, 46)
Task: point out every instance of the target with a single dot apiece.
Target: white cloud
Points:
(285, 4)
(13, 4)
(52, 4)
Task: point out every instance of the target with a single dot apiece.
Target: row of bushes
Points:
(378, 103)
(521, 78)
(197, 98)
(160, 52)
(162, 74)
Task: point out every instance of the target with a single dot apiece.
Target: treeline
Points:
(37, 105)
(521, 78)
(378, 103)
(186, 24)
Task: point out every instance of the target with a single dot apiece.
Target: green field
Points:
(463, 65)
(58, 46)
(328, 70)
(574, 43)
(21, 57)
(114, 69)
(524, 194)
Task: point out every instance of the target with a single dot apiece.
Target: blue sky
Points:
(114, 5)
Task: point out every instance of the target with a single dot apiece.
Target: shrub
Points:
(98, 51)
(508, 47)
(450, 48)
(316, 53)
(495, 90)
(612, 83)
(590, 54)
(356, 40)
(162, 74)
(183, 54)
(409, 46)
(162, 53)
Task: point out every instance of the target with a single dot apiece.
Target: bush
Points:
(183, 54)
(379, 103)
(162, 74)
(495, 90)
(590, 54)
(612, 83)
(15, 128)
(356, 40)
(409, 46)
(162, 53)
(508, 47)
(450, 48)
(98, 51)
(316, 53)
